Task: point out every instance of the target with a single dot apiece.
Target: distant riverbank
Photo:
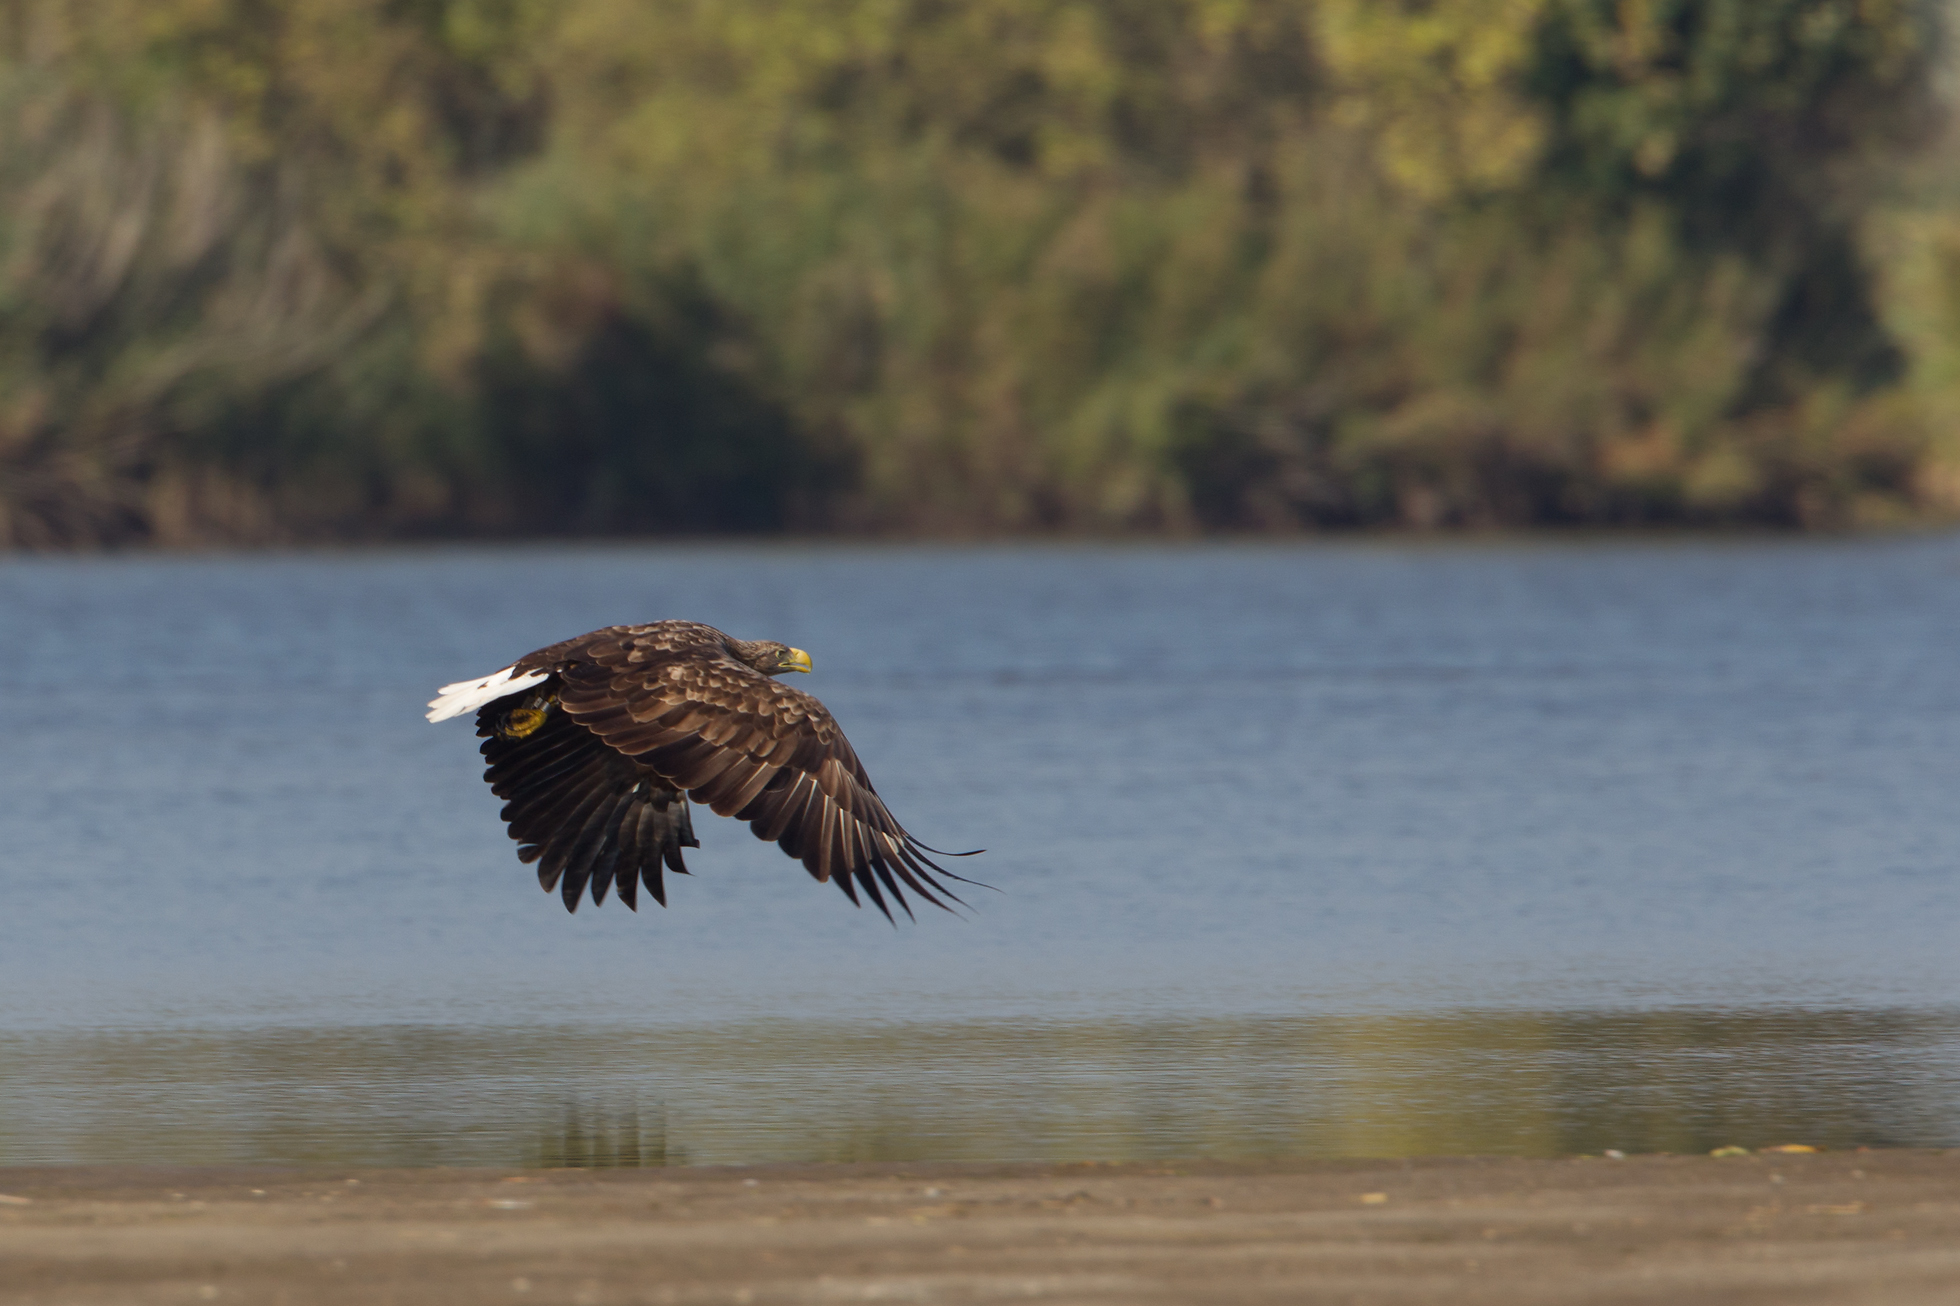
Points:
(350, 270)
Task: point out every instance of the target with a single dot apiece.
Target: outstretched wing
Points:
(749, 747)
(582, 811)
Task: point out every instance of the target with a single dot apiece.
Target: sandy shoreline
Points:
(1874, 1228)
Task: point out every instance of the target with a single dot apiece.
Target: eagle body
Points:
(598, 743)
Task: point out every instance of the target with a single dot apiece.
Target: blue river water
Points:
(1303, 849)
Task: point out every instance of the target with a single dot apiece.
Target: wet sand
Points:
(1872, 1228)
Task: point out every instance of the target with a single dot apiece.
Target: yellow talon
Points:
(522, 723)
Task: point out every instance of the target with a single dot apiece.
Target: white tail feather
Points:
(468, 695)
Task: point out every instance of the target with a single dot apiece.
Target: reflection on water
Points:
(603, 1138)
(1507, 1082)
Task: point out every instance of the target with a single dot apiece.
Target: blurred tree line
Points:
(287, 269)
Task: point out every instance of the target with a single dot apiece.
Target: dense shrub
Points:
(304, 268)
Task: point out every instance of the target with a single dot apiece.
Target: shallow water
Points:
(1334, 850)
(1514, 1082)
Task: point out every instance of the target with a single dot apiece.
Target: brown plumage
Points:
(597, 743)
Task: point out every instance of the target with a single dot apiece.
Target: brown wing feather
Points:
(588, 815)
(672, 698)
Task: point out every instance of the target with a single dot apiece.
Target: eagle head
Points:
(768, 656)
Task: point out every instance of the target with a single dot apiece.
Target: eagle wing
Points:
(582, 811)
(746, 745)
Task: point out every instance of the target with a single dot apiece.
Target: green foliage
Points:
(295, 268)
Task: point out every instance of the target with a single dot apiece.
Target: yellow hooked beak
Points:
(794, 660)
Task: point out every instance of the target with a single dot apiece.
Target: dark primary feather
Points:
(583, 812)
(641, 714)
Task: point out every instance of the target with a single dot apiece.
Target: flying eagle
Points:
(597, 743)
